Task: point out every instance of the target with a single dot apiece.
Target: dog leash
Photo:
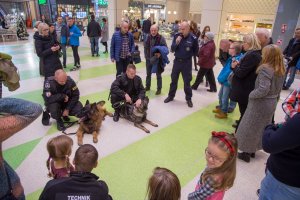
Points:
(68, 125)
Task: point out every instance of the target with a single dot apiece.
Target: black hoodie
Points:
(51, 60)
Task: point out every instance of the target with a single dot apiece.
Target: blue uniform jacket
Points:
(116, 45)
(223, 76)
(187, 48)
(74, 38)
(164, 51)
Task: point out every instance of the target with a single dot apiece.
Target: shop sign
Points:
(154, 6)
(42, 2)
(102, 2)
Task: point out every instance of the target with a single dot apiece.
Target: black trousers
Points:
(121, 65)
(76, 55)
(148, 77)
(209, 73)
(242, 108)
(195, 61)
(56, 109)
(105, 44)
(114, 99)
(185, 68)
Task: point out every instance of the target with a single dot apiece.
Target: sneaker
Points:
(116, 116)
(147, 88)
(74, 69)
(97, 55)
(92, 55)
(244, 156)
(221, 115)
(209, 90)
(60, 125)
(189, 103)
(194, 87)
(46, 118)
(230, 110)
(158, 92)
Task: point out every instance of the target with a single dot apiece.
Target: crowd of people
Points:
(252, 77)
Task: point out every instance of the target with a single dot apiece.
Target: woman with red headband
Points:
(220, 172)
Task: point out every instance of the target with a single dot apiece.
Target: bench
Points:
(4, 35)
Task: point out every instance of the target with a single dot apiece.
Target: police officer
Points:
(127, 87)
(61, 97)
(185, 46)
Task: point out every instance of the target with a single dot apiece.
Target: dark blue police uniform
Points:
(184, 51)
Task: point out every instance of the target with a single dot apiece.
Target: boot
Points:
(60, 125)
(221, 115)
(217, 110)
(116, 116)
(244, 156)
(46, 118)
(158, 92)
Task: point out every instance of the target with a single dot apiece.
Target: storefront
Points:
(237, 25)
(14, 9)
(155, 11)
(78, 9)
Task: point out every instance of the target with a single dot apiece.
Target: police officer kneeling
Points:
(61, 97)
(127, 87)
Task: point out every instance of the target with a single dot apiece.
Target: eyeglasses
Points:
(214, 158)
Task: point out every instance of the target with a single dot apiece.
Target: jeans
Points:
(289, 82)
(224, 99)
(121, 65)
(272, 189)
(64, 51)
(94, 45)
(76, 56)
(148, 77)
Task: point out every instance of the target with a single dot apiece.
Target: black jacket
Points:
(93, 29)
(293, 50)
(146, 26)
(43, 50)
(283, 144)
(122, 85)
(77, 186)
(243, 81)
(55, 93)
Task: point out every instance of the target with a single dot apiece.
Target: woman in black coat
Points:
(244, 73)
(47, 49)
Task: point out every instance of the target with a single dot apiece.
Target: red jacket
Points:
(207, 58)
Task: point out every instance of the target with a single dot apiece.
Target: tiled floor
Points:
(127, 154)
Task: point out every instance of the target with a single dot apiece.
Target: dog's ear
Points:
(94, 106)
(87, 102)
(101, 103)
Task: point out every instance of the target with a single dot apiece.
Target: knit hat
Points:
(210, 35)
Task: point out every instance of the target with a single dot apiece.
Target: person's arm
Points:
(289, 102)
(112, 47)
(21, 114)
(40, 51)
(247, 65)
(116, 88)
(73, 95)
(195, 46)
(264, 83)
(99, 29)
(174, 45)
(287, 48)
(131, 43)
(76, 32)
(276, 140)
(49, 95)
(203, 192)
(88, 31)
(163, 41)
(141, 89)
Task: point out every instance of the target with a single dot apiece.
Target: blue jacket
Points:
(74, 38)
(164, 51)
(223, 76)
(116, 45)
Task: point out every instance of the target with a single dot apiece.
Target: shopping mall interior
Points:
(127, 154)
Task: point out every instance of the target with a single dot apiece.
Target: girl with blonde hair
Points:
(262, 102)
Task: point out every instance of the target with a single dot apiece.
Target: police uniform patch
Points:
(74, 88)
(47, 85)
(188, 48)
(48, 94)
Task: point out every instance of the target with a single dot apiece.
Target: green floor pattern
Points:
(179, 147)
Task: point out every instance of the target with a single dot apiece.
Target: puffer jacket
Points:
(51, 60)
(207, 58)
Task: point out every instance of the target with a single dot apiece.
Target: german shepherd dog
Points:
(137, 115)
(91, 118)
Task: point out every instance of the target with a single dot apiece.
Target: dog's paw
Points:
(80, 143)
(155, 125)
(147, 131)
(95, 140)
